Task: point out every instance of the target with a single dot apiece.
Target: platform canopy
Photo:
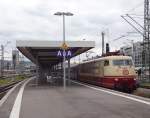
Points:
(46, 52)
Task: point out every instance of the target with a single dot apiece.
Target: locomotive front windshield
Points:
(122, 62)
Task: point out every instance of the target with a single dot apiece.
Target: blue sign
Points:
(62, 53)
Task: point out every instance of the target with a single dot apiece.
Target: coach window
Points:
(106, 63)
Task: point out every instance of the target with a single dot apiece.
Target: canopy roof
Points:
(46, 52)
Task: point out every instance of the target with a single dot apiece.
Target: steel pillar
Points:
(69, 71)
(146, 40)
(37, 71)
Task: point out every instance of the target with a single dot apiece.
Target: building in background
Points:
(15, 59)
(138, 47)
(135, 51)
(16, 65)
(126, 50)
(6, 64)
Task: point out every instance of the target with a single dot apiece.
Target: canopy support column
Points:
(37, 71)
(69, 71)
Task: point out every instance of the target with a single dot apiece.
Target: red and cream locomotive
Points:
(115, 72)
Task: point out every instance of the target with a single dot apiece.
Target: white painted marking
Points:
(17, 105)
(3, 100)
(113, 93)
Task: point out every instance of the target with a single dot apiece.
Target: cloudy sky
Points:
(34, 20)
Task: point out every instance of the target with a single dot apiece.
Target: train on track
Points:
(114, 72)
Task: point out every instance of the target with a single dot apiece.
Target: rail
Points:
(4, 89)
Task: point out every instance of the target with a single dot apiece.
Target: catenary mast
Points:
(146, 40)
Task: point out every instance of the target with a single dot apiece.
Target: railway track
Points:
(4, 89)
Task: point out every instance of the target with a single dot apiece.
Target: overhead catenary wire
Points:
(134, 21)
(132, 14)
(137, 15)
(137, 6)
(132, 25)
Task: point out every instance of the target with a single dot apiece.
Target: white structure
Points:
(15, 58)
(135, 52)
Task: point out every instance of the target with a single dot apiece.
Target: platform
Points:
(77, 101)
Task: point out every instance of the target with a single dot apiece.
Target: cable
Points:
(138, 5)
(138, 18)
(137, 15)
(134, 21)
(124, 17)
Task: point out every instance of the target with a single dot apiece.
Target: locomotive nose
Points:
(125, 84)
(128, 84)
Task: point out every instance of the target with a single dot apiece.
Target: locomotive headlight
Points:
(116, 79)
(134, 79)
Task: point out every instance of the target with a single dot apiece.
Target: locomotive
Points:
(114, 72)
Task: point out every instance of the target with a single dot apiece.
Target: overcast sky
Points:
(34, 20)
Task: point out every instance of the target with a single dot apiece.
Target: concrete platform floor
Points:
(77, 101)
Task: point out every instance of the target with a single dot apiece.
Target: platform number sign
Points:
(62, 53)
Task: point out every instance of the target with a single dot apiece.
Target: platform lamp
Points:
(63, 14)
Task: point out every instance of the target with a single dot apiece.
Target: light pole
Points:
(63, 14)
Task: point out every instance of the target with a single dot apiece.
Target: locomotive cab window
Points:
(106, 63)
(127, 62)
